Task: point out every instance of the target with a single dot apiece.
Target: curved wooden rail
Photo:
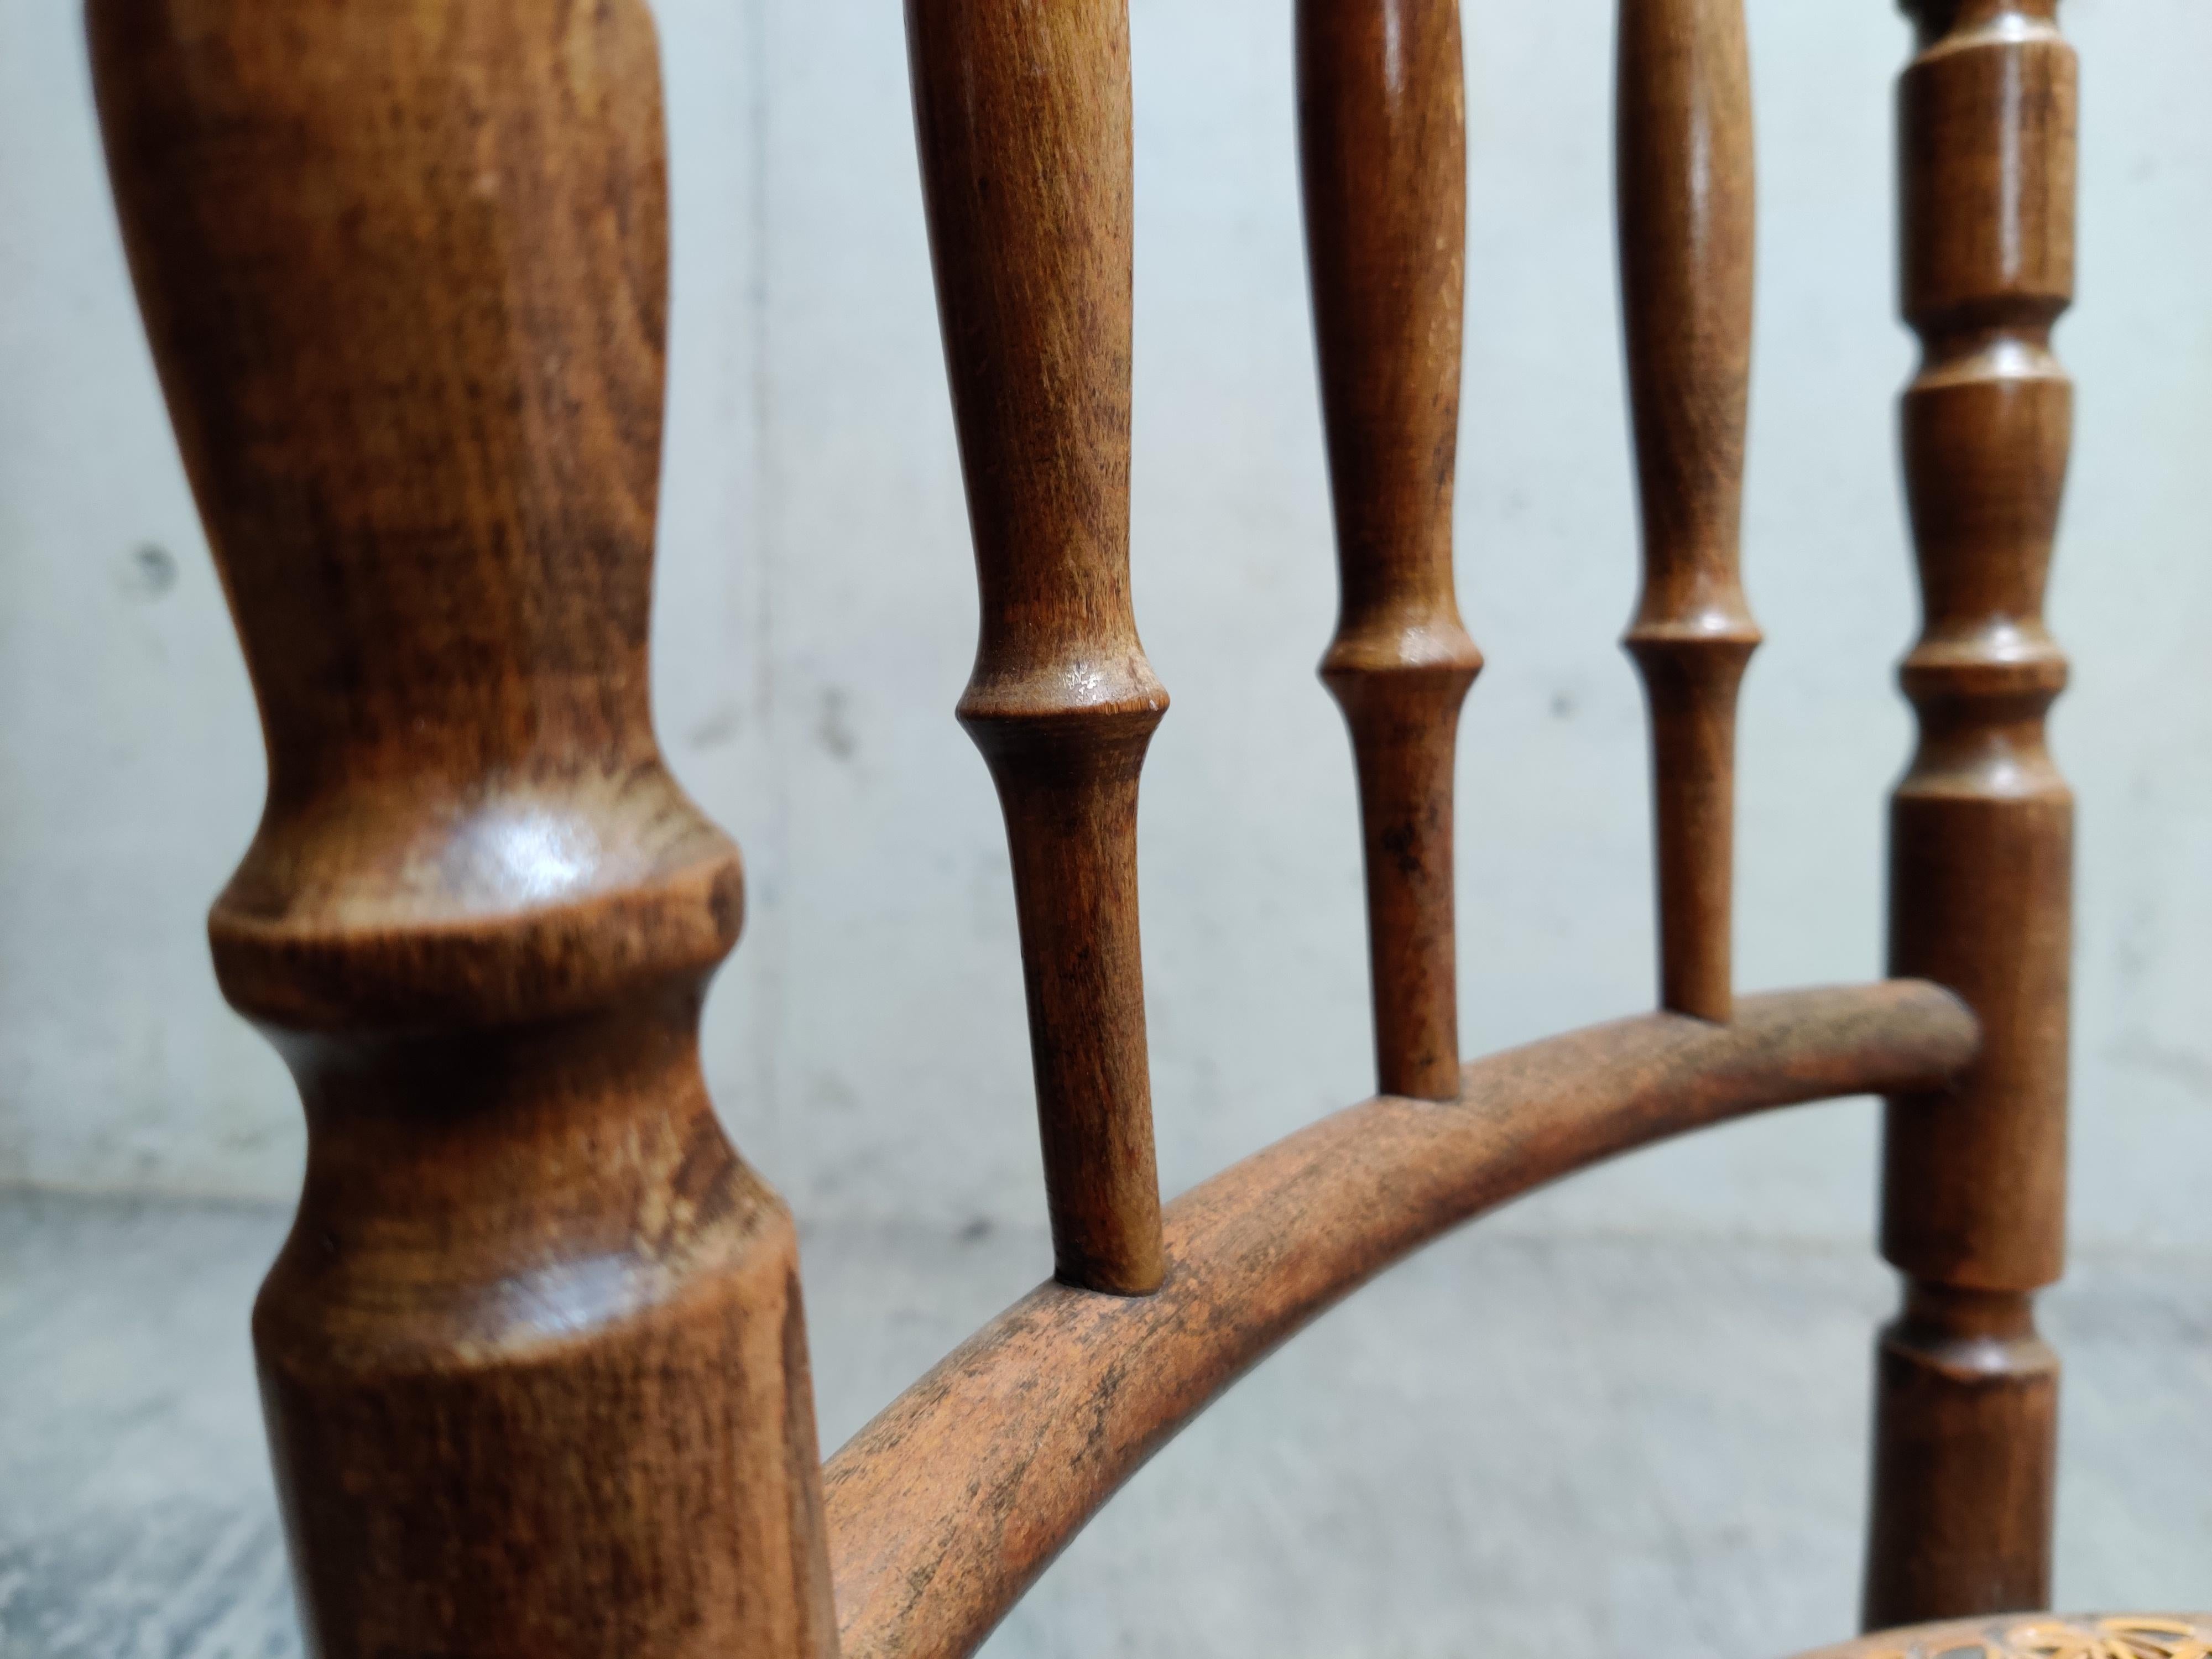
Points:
(943, 1511)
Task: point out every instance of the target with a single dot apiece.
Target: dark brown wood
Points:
(1685, 202)
(1382, 136)
(533, 1357)
(1022, 112)
(2038, 1636)
(1981, 828)
(944, 1510)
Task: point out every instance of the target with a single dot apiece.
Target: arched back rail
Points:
(945, 1509)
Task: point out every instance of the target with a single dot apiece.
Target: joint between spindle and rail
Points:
(944, 1509)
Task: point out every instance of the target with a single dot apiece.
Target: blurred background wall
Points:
(816, 615)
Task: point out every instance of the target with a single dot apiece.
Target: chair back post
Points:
(533, 1357)
(1974, 1196)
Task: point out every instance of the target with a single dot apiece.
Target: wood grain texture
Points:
(1685, 184)
(1381, 132)
(946, 1508)
(1981, 826)
(533, 1357)
(1022, 112)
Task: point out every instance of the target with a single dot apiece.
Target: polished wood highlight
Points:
(945, 1509)
(533, 1357)
(1685, 194)
(1381, 132)
(1981, 826)
(1022, 112)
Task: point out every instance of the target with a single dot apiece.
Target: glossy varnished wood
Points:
(1684, 185)
(1022, 111)
(533, 1357)
(1382, 141)
(1981, 828)
(945, 1509)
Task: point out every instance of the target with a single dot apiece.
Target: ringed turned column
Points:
(1381, 134)
(1684, 185)
(1981, 828)
(533, 1357)
(1022, 112)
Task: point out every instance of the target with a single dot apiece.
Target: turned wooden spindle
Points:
(1981, 826)
(1022, 112)
(533, 1357)
(1382, 143)
(1685, 179)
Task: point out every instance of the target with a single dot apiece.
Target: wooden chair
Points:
(533, 1359)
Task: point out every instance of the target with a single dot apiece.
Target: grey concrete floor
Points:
(1513, 1445)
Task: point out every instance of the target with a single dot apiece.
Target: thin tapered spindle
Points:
(1686, 205)
(1382, 143)
(1981, 828)
(533, 1357)
(1022, 115)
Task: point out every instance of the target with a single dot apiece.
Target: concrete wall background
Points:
(815, 617)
